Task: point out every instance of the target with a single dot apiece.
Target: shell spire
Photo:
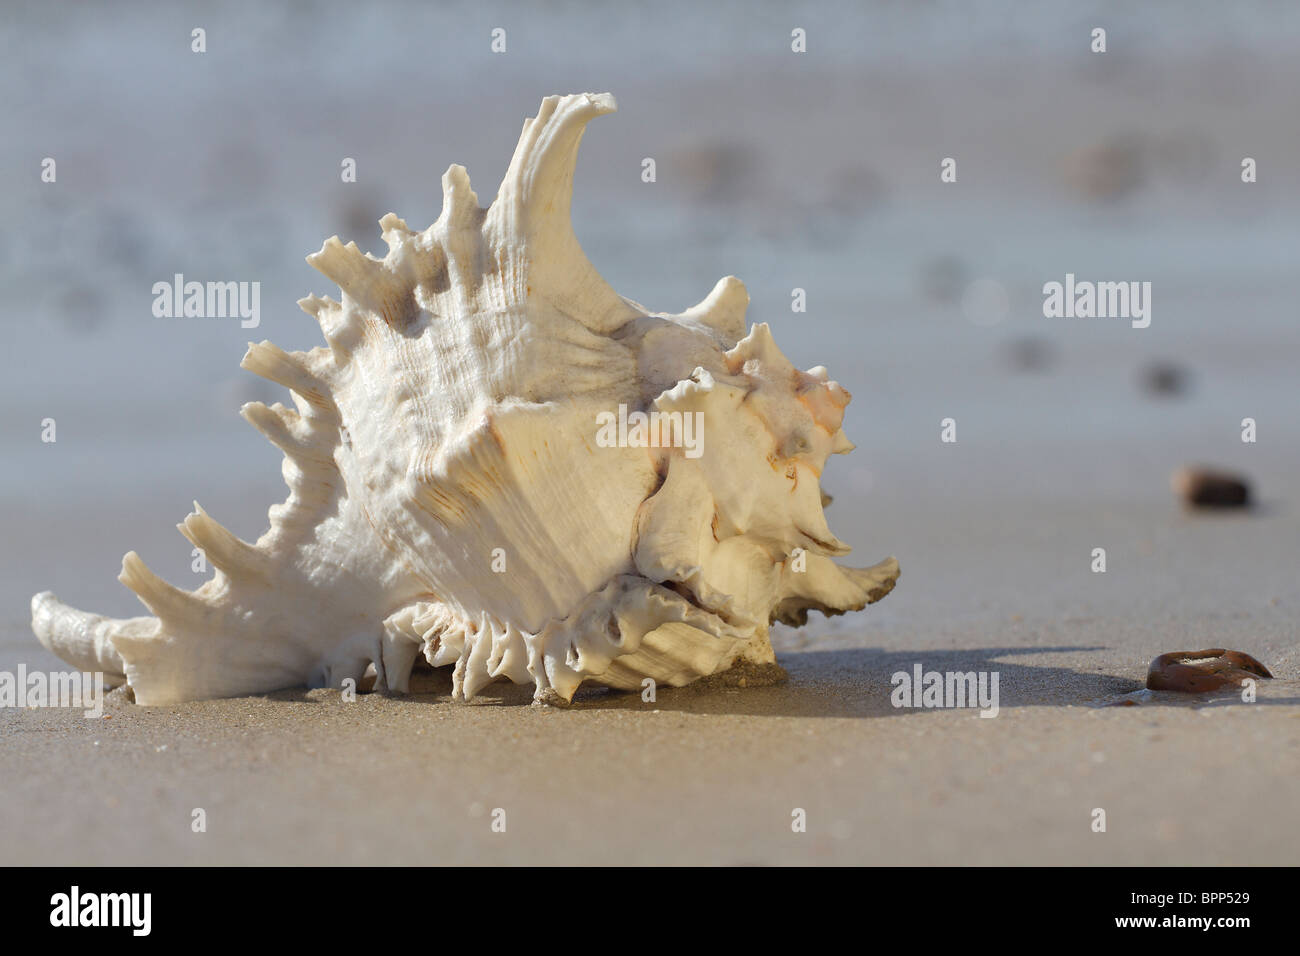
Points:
(500, 464)
(530, 220)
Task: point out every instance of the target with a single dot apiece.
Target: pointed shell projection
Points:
(500, 463)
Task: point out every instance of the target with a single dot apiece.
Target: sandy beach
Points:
(713, 775)
(924, 300)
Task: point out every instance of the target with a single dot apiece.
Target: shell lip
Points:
(681, 591)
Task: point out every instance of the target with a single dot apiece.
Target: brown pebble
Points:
(1206, 488)
(1213, 668)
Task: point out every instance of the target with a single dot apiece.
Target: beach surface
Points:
(816, 172)
(715, 775)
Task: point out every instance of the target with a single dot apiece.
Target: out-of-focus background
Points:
(816, 170)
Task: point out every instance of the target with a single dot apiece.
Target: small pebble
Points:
(1206, 488)
(1165, 379)
(1193, 672)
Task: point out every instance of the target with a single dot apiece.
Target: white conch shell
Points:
(449, 492)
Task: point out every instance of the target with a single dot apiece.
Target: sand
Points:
(713, 775)
(818, 173)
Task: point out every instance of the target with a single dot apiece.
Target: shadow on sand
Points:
(855, 682)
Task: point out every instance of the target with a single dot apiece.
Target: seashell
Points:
(450, 495)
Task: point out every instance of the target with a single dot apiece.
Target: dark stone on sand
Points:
(1193, 672)
(1165, 379)
(1207, 488)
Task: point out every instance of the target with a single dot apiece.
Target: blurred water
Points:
(817, 171)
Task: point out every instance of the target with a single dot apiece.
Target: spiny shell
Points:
(453, 491)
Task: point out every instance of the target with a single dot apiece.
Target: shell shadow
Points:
(856, 682)
(852, 682)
